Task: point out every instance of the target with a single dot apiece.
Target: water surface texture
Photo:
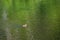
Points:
(29, 19)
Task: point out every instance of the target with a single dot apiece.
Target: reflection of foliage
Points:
(44, 23)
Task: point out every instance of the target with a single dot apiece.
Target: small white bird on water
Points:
(25, 25)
